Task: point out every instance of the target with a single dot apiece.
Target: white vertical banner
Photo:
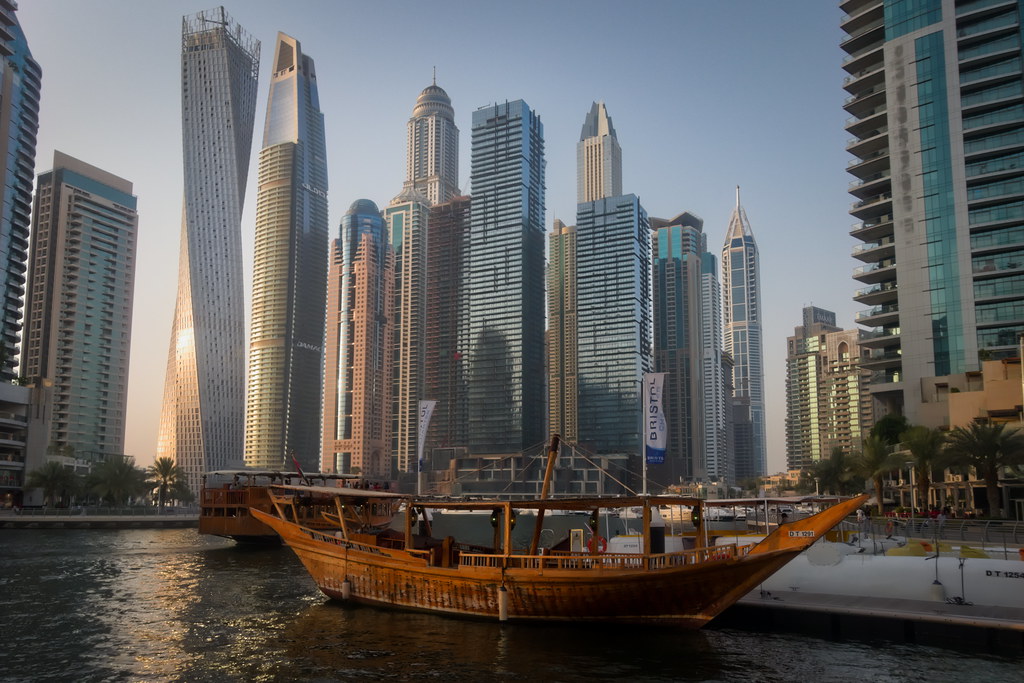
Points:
(655, 425)
(426, 411)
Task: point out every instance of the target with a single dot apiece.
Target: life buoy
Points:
(597, 544)
(889, 528)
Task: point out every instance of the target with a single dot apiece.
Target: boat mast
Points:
(539, 524)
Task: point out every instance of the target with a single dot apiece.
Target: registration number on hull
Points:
(801, 534)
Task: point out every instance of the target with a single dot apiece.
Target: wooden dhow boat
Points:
(364, 559)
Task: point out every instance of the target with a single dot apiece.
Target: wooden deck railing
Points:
(613, 561)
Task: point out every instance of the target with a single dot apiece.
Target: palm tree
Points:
(890, 427)
(876, 460)
(54, 479)
(987, 448)
(117, 479)
(835, 474)
(925, 447)
(164, 472)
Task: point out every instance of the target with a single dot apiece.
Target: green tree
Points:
(890, 428)
(117, 479)
(164, 473)
(55, 480)
(987, 448)
(835, 474)
(181, 492)
(876, 460)
(925, 447)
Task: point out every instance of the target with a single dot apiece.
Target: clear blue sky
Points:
(705, 95)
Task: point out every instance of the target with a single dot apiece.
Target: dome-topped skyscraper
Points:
(432, 159)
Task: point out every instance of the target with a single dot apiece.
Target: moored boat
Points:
(408, 568)
(228, 495)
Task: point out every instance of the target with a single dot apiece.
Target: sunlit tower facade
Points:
(20, 81)
(78, 315)
(598, 157)
(360, 347)
(283, 400)
(432, 149)
(505, 281)
(741, 313)
(203, 410)
(936, 104)
(563, 389)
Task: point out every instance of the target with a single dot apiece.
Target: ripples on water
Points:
(169, 605)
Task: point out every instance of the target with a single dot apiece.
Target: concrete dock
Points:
(28, 520)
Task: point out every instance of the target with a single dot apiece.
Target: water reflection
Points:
(167, 605)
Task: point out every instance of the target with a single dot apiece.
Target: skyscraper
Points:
(406, 217)
(20, 80)
(741, 284)
(448, 233)
(202, 418)
(283, 406)
(360, 347)
(827, 402)
(687, 347)
(936, 115)
(613, 313)
(598, 158)
(432, 156)
(432, 170)
(78, 320)
(505, 281)
(563, 389)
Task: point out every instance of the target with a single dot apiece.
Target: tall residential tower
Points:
(78, 318)
(936, 104)
(432, 148)
(741, 285)
(202, 419)
(282, 409)
(505, 281)
(360, 347)
(20, 80)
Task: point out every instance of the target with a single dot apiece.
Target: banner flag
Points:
(426, 411)
(655, 425)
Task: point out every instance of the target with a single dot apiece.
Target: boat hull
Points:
(591, 588)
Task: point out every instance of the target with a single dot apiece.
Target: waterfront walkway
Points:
(98, 518)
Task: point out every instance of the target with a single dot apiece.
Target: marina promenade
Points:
(99, 518)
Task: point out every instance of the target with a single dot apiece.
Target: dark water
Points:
(168, 605)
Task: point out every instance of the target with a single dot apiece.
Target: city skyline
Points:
(687, 149)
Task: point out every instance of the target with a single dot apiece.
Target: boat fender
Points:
(597, 544)
(889, 528)
(346, 589)
(502, 604)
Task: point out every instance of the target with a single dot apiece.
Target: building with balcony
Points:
(827, 401)
(20, 80)
(78, 312)
(936, 103)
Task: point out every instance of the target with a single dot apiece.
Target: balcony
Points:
(872, 185)
(876, 162)
(881, 293)
(879, 316)
(872, 206)
(859, 15)
(880, 338)
(866, 78)
(870, 33)
(869, 143)
(868, 252)
(866, 101)
(866, 122)
(876, 272)
(878, 359)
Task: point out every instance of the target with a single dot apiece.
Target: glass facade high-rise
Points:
(444, 381)
(432, 154)
(687, 346)
(78, 317)
(613, 314)
(741, 312)
(283, 401)
(504, 327)
(202, 417)
(360, 347)
(20, 81)
(827, 401)
(936, 104)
